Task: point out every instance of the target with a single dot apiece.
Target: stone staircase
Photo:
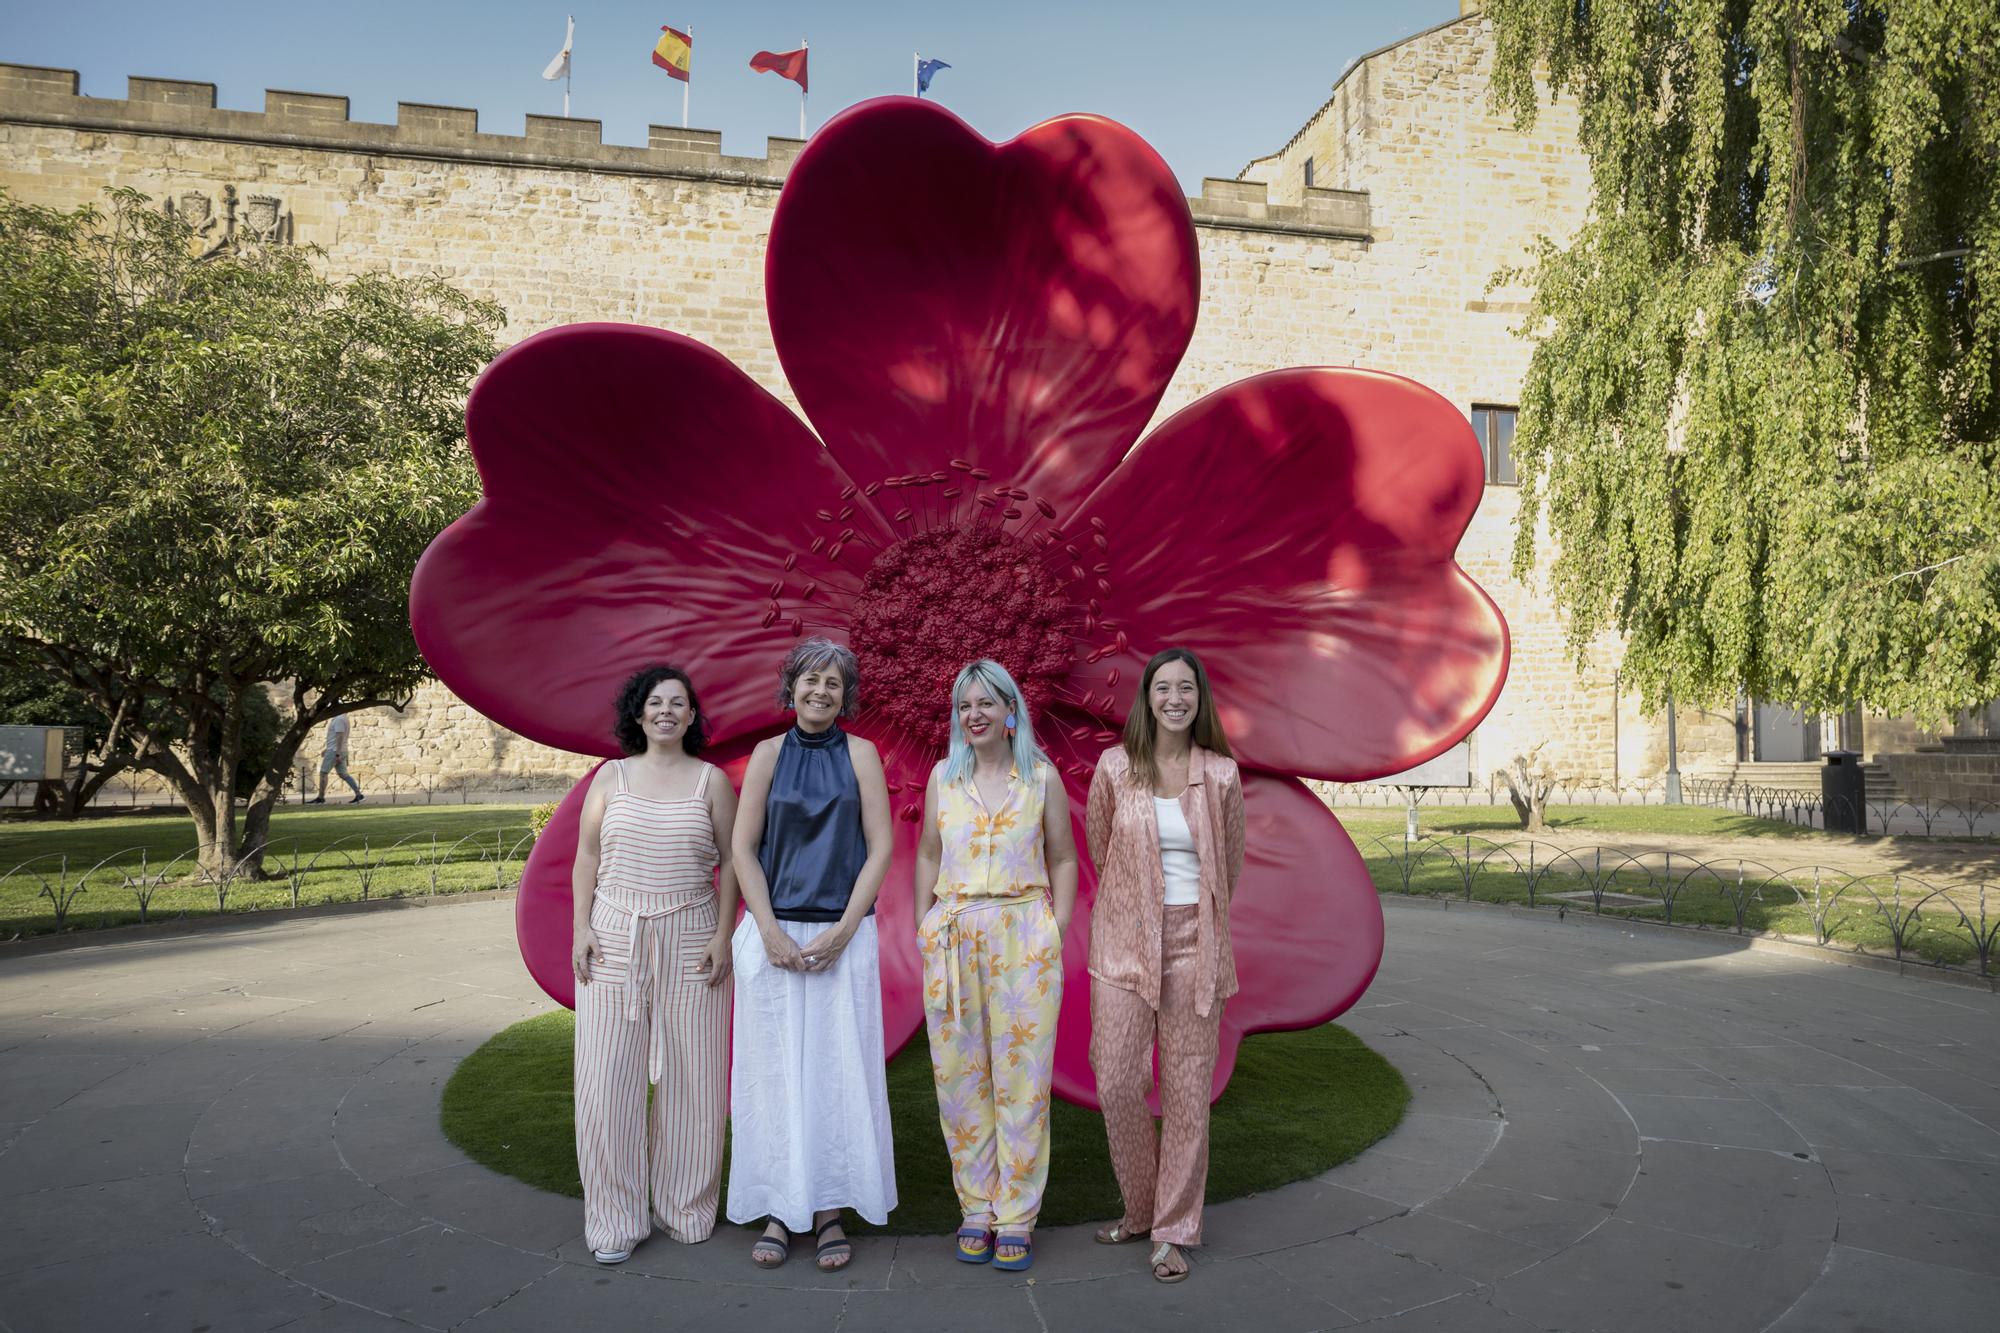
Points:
(1789, 777)
(1882, 784)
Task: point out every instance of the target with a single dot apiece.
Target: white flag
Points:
(559, 67)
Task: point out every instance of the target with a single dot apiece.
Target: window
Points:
(1495, 428)
(1309, 173)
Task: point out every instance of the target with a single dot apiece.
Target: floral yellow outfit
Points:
(992, 990)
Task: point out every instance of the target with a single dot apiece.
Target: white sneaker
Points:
(611, 1256)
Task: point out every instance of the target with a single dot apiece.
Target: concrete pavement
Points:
(236, 1128)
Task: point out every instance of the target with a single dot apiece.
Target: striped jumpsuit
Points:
(648, 1016)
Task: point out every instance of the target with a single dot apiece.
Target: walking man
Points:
(334, 760)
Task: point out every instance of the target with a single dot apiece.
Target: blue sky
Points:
(1211, 86)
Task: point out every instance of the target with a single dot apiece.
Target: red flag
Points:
(785, 64)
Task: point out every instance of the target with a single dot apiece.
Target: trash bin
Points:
(1843, 793)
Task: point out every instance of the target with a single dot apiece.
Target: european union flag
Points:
(926, 68)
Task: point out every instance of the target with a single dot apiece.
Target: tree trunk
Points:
(89, 781)
(271, 787)
(1528, 787)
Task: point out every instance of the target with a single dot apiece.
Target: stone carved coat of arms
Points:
(264, 220)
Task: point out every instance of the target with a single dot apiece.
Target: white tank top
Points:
(1178, 863)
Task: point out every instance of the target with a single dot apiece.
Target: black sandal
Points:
(841, 1247)
(780, 1245)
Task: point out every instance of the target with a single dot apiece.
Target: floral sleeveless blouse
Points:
(992, 854)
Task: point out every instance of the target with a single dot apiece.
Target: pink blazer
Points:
(1124, 839)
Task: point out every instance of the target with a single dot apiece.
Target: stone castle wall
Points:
(1390, 269)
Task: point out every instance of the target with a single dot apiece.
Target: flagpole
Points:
(688, 82)
(916, 62)
(803, 45)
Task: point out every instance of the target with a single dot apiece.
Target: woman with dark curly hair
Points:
(650, 947)
(808, 1099)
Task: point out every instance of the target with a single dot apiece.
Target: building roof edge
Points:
(1353, 65)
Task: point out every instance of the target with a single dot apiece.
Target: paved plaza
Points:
(236, 1128)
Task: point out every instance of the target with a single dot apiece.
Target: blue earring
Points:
(1011, 724)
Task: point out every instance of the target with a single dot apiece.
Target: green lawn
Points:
(1299, 1103)
(1460, 854)
(1499, 821)
(138, 867)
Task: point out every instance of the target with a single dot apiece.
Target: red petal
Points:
(895, 922)
(1308, 557)
(1306, 926)
(1074, 738)
(642, 496)
(1018, 307)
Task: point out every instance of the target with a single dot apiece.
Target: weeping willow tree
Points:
(1760, 418)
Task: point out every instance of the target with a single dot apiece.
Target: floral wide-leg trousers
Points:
(992, 992)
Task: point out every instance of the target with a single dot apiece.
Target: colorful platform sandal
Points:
(1024, 1240)
(975, 1245)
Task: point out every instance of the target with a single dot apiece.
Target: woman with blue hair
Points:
(995, 886)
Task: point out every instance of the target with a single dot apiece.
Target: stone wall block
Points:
(559, 133)
(171, 92)
(419, 119)
(304, 106)
(38, 81)
(674, 139)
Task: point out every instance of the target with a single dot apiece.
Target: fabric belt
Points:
(644, 970)
(944, 989)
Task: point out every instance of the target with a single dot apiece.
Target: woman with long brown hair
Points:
(1165, 827)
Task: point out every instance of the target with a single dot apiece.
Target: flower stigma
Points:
(932, 602)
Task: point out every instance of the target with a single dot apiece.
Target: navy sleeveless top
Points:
(813, 848)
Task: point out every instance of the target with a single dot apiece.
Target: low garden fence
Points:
(135, 884)
(1909, 917)
(1805, 809)
(141, 792)
(1903, 916)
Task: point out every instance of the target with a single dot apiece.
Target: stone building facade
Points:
(1371, 239)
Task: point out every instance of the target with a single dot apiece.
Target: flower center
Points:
(933, 602)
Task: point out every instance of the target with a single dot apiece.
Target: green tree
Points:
(216, 476)
(1761, 413)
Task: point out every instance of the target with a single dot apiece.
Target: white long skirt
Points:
(808, 1102)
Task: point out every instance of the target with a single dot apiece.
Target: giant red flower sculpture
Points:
(979, 333)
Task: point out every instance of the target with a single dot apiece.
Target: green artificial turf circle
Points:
(1298, 1103)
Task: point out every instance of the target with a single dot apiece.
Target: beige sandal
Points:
(1159, 1261)
(1117, 1235)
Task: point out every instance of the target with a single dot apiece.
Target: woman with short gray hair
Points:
(808, 1099)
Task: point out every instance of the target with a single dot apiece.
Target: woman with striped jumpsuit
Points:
(650, 948)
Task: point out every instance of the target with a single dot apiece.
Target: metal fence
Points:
(1902, 818)
(140, 791)
(1901, 916)
(350, 869)
(1948, 925)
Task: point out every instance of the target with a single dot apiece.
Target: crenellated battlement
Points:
(35, 95)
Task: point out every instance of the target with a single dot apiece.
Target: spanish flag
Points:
(674, 53)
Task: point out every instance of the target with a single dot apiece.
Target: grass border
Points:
(1298, 1104)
